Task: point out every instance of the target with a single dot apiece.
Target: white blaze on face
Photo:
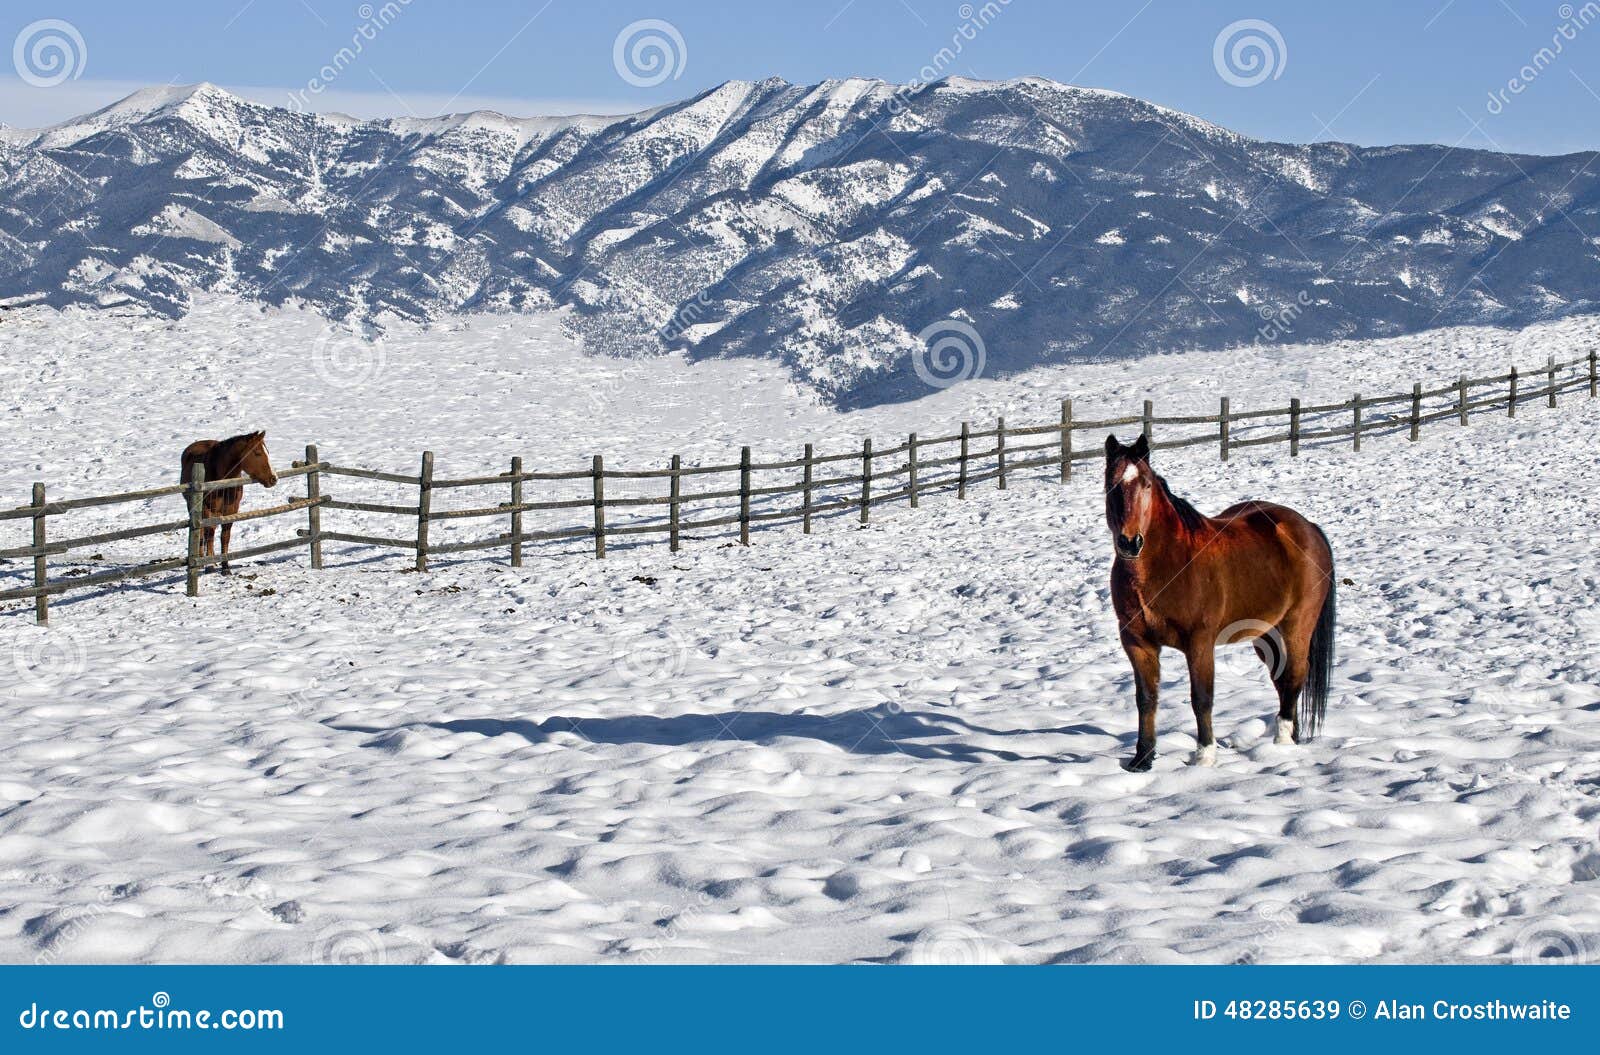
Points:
(1138, 507)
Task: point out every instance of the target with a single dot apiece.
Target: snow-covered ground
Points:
(898, 742)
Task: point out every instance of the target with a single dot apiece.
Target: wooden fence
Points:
(844, 483)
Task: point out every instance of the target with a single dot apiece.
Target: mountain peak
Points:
(195, 101)
(166, 97)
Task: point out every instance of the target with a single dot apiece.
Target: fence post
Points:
(866, 478)
(598, 471)
(1356, 432)
(961, 471)
(197, 498)
(744, 496)
(911, 468)
(41, 602)
(1461, 397)
(424, 509)
(1000, 450)
(1294, 427)
(1594, 378)
(1552, 373)
(314, 510)
(1066, 440)
(674, 496)
(1416, 410)
(805, 492)
(1511, 405)
(516, 513)
(1149, 425)
(1222, 428)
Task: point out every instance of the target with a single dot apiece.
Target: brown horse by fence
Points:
(1256, 572)
(224, 460)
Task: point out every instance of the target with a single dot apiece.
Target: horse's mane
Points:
(1188, 515)
(243, 437)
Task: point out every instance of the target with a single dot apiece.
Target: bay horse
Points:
(225, 459)
(1256, 572)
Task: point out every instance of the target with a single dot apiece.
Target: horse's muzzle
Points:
(1129, 547)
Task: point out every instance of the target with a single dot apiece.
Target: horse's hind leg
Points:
(227, 538)
(1202, 672)
(1289, 664)
(1288, 656)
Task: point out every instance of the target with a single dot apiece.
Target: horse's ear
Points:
(1113, 445)
(1140, 451)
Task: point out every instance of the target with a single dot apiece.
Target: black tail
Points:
(1314, 698)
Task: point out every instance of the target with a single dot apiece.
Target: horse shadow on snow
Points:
(878, 730)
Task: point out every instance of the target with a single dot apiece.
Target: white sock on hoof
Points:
(1204, 756)
(1285, 731)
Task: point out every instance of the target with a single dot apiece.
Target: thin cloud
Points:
(23, 106)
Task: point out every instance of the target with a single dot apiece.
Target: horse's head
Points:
(254, 461)
(1130, 494)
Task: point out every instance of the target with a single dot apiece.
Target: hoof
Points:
(1204, 756)
(1140, 763)
(1285, 732)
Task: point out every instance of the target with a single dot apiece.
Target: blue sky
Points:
(1359, 71)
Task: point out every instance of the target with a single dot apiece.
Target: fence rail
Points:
(907, 471)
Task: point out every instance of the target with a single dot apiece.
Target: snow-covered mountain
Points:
(825, 226)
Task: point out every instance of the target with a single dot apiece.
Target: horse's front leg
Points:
(1202, 677)
(1146, 660)
(227, 539)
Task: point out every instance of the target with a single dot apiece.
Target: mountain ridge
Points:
(831, 226)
